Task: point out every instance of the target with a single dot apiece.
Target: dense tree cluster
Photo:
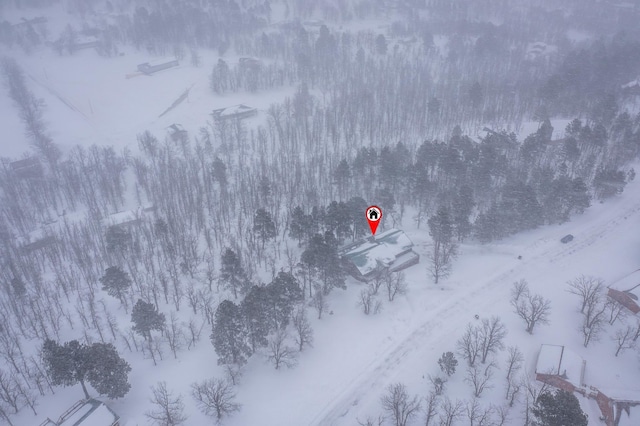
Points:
(239, 331)
(98, 364)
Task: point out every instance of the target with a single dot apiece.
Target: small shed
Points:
(87, 412)
(151, 68)
(239, 111)
(560, 367)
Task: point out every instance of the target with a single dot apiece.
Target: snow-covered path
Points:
(445, 323)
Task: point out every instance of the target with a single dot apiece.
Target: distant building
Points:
(249, 63)
(626, 291)
(88, 412)
(85, 43)
(149, 69)
(391, 250)
(39, 244)
(177, 132)
(239, 111)
(125, 219)
(27, 168)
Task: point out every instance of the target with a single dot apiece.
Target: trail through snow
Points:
(438, 326)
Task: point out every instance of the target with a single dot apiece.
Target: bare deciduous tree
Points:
(502, 414)
(174, 334)
(279, 353)
(319, 302)
(168, 409)
(366, 300)
(395, 284)
(437, 383)
(477, 415)
(469, 344)
(450, 412)
(479, 378)
(234, 373)
(215, 398)
(624, 339)
(371, 422)
(593, 321)
(514, 363)
(430, 408)
(492, 334)
(303, 331)
(533, 309)
(399, 405)
(587, 288)
(440, 261)
(615, 311)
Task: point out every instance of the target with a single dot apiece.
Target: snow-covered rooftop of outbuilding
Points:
(232, 110)
(124, 217)
(93, 413)
(630, 284)
(558, 360)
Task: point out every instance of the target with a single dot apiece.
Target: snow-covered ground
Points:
(355, 357)
(89, 99)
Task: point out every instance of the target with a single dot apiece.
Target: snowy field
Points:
(89, 99)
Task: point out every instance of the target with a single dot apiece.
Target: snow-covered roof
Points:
(381, 251)
(91, 413)
(560, 361)
(630, 284)
(233, 110)
(121, 218)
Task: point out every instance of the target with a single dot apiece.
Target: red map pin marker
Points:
(373, 214)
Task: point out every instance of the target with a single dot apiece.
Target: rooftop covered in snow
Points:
(390, 250)
(555, 360)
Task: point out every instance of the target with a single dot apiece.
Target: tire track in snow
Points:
(373, 376)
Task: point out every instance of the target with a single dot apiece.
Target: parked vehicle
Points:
(567, 238)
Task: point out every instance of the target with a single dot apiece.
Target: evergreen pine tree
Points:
(145, 318)
(359, 224)
(219, 172)
(109, 372)
(99, 364)
(255, 309)
(116, 282)
(232, 274)
(283, 292)
(299, 224)
(229, 335)
(263, 225)
(448, 363)
(117, 239)
(558, 409)
(322, 256)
